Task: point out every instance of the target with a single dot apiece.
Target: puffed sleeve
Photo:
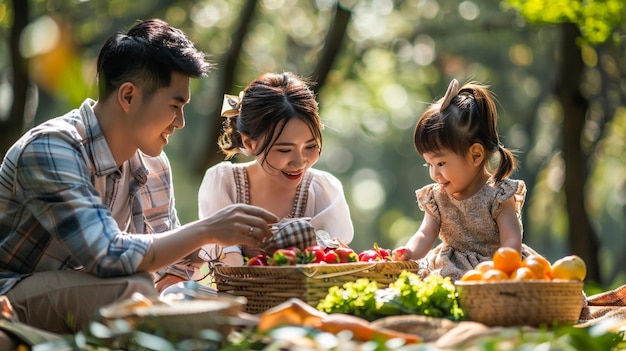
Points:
(506, 189)
(328, 207)
(217, 189)
(427, 202)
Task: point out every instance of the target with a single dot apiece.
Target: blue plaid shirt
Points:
(52, 216)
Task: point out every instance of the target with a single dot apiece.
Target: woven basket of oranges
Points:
(509, 291)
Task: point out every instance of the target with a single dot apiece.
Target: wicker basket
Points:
(511, 303)
(266, 287)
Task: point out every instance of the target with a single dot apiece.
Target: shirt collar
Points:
(96, 144)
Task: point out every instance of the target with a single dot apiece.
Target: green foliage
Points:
(596, 18)
(395, 59)
(433, 296)
(358, 298)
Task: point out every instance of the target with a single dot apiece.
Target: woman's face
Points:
(291, 155)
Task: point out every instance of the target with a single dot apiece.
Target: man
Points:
(86, 199)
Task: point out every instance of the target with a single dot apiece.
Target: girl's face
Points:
(293, 153)
(460, 176)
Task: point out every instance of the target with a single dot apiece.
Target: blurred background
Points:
(557, 68)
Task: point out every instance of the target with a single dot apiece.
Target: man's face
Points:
(154, 120)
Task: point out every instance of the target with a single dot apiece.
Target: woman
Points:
(275, 120)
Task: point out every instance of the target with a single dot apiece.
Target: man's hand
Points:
(240, 224)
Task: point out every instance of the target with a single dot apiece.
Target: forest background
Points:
(557, 67)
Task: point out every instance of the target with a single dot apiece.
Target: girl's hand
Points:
(401, 253)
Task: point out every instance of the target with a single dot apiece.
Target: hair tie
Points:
(231, 105)
(453, 90)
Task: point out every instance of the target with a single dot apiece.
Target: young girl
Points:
(275, 120)
(473, 209)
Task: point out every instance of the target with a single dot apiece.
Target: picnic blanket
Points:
(607, 306)
(610, 304)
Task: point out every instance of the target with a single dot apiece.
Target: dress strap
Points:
(241, 183)
(302, 196)
(299, 203)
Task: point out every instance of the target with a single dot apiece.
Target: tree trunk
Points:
(226, 74)
(582, 237)
(334, 38)
(11, 128)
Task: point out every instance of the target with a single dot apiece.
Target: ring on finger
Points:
(250, 230)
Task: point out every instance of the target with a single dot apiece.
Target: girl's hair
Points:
(268, 103)
(458, 120)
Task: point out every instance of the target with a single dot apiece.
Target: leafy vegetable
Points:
(433, 296)
(357, 298)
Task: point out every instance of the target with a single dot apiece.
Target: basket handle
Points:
(307, 273)
(215, 271)
(311, 274)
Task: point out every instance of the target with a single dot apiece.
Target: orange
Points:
(495, 275)
(523, 273)
(507, 259)
(569, 268)
(541, 267)
(472, 275)
(484, 266)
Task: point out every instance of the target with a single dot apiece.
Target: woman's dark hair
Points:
(471, 117)
(268, 103)
(147, 55)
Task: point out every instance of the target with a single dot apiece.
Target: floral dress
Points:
(468, 229)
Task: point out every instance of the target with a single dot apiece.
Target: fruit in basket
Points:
(284, 257)
(385, 254)
(569, 268)
(374, 254)
(533, 267)
(331, 256)
(539, 265)
(523, 273)
(472, 275)
(258, 260)
(495, 275)
(313, 254)
(507, 260)
(346, 255)
(484, 266)
(369, 255)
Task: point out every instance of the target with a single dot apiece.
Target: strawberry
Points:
(331, 257)
(369, 255)
(313, 254)
(258, 260)
(346, 255)
(283, 257)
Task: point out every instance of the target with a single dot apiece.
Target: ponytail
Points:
(507, 164)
